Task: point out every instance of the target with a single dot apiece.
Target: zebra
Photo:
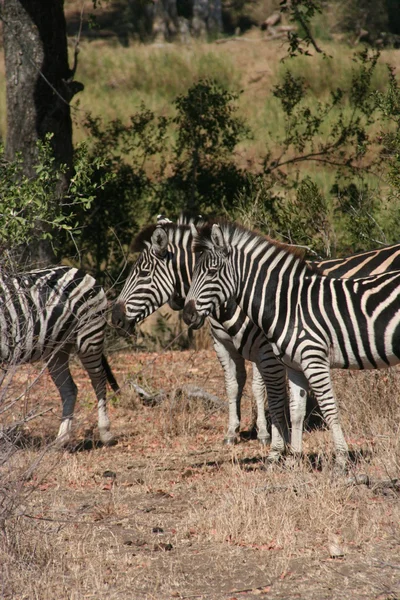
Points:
(313, 322)
(44, 314)
(166, 254)
(161, 274)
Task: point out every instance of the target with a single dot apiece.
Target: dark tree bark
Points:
(40, 87)
(207, 17)
(165, 21)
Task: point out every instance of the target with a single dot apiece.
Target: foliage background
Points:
(304, 148)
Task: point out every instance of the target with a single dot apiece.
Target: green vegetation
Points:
(305, 149)
(31, 205)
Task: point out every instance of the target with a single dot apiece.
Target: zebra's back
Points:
(43, 309)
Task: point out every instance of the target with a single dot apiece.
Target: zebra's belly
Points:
(21, 353)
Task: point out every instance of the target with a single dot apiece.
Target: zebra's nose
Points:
(118, 315)
(190, 313)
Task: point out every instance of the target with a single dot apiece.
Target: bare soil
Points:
(169, 512)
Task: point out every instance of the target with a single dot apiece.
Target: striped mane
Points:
(237, 235)
(174, 230)
(143, 239)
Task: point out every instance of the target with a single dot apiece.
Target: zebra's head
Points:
(160, 274)
(148, 285)
(213, 281)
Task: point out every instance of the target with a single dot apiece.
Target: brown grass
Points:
(224, 522)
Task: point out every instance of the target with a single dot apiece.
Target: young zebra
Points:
(313, 322)
(44, 314)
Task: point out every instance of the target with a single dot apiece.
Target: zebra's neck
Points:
(182, 261)
(268, 277)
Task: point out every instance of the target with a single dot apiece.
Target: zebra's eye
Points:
(212, 271)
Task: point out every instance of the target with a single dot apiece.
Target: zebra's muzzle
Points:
(192, 317)
(120, 321)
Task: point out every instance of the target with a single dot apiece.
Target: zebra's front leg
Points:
(235, 378)
(298, 386)
(61, 375)
(319, 379)
(274, 378)
(259, 394)
(94, 366)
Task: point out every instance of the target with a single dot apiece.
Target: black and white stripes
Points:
(163, 273)
(313, 322)
(44, 315)
(165, 267)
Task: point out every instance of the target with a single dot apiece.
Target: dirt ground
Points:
(169, 512)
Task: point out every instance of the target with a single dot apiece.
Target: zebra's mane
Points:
(143, 239)
(174, 230)
(237, 235)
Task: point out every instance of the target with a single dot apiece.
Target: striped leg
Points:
(94, 366)
(274, 377)
(235, 378)
(319, 378)
(258, 388)
(298, 386)
(61, 375)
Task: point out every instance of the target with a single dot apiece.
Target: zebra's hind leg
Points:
(93, 364)
(61, 375)
(274, 378)
(319, 378)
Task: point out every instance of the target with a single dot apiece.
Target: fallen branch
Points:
(146, 398)
(191, 392)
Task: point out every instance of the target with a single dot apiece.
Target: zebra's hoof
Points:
(264, 441)
(62, 441)
(273, 458)
(361, 479)
(107, 438)
(230, 441)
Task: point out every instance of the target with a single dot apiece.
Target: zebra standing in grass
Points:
(44, 315)
(313, 322)
(165, 267)
(162, 273)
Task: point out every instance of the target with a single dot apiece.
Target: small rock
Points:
(110, 474)
(158, 530)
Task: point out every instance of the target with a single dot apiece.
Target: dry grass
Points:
(185, 516)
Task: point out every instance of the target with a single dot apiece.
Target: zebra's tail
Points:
(110, 375)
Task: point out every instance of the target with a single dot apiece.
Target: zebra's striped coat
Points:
(164, 270)
(313, 322)
(44, 315)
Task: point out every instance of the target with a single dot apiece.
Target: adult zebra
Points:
(165, 267)
(313, 322)
(44, 315)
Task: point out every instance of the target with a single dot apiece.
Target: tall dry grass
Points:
(82, 532)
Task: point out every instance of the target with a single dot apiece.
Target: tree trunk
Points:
(165, 23)
(207, 17)
(39, 89)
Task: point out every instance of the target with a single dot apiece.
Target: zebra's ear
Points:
(162, 219)
(218, 239)
(159, 242)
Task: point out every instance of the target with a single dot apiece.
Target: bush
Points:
(31, 209)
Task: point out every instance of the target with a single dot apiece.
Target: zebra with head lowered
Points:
(165, 267)
(44, 315)
(313, 322)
